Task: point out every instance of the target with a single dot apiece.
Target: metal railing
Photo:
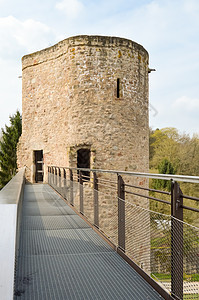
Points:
(161, 247)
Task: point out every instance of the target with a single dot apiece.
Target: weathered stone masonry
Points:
(86, 92)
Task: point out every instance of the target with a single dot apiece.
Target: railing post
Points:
(121, 213)
(71, 187)
(64, 185)
(176, 241)
(53, 176)
(59, 172)
(48, 175)
(56, 177)
(96, 203)
(81, 192)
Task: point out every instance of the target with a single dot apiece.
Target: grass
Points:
(161, 276)
(190, 296)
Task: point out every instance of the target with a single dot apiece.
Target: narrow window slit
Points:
(118, 87)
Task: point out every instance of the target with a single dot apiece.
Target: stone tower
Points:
(89, 94)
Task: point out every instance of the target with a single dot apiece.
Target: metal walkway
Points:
(61, 257)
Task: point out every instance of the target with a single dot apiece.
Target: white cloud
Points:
(32, 34)
(10, 92)
(191, 6)
(72, 8)
(186, 103)
(17, 36)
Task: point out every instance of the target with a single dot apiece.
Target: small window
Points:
(118, 87)
(83, 161)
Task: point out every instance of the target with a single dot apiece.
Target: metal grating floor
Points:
(61, 257)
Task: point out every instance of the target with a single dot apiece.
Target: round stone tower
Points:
(86, 95)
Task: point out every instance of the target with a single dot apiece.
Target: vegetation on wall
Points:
(8, 148)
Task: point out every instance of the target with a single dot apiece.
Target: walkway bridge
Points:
(88, 235)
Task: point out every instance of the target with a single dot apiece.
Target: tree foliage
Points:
(165, 167)
(181, 150)
(8, 148)
(174, 153)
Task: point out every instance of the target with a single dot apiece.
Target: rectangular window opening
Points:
(118, 87)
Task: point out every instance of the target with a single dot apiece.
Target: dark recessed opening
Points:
(38, 165)
(83, 161)
(118, 88)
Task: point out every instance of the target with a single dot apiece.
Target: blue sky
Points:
(168, 30)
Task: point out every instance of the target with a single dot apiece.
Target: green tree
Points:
(179, 149)
(8, 148)
(173, 152)
(165, 167)
(164, 144)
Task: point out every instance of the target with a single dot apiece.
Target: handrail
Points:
(10, 193)
(182, 178)
(10, 207)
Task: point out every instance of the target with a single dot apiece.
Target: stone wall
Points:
(70, 101)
